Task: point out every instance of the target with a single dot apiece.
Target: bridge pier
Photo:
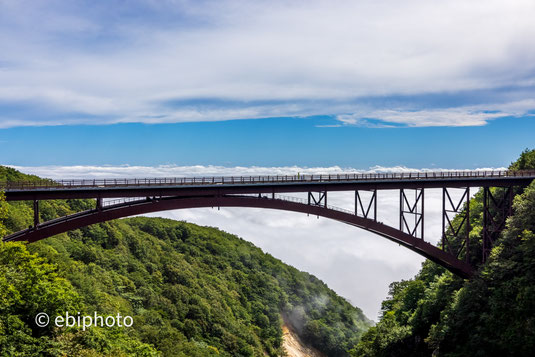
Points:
(365, 212)
(321, 201)
(495, 212)
(461, 208)
(35, 213)
(415, 209)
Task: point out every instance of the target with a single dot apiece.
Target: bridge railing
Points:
(229, 180)
(305, 202)
(295, 200)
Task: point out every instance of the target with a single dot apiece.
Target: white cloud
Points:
(303, 58)
(461, 116)
(452, 117)
(130, 171)
(357, 264)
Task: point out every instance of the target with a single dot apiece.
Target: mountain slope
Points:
(493, 314)
(192, 291)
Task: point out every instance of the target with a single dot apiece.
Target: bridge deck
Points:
(109, 188)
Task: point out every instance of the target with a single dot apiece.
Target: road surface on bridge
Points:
(223, 185)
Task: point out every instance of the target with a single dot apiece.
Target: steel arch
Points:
(82, 219)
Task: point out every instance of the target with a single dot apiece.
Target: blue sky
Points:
(351, 83)
(268, 142)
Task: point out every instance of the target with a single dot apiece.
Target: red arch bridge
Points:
(116, 198)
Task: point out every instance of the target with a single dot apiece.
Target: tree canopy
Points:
(493, 314)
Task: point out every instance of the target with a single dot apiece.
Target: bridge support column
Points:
(496, 209)
(415, 208)
(321, 201)
(365, 212)
(99, 204)
(35, 214)
(450, 209)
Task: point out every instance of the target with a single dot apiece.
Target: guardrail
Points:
(295, 200)
(135, 200)
(183, 181)
(120, 201)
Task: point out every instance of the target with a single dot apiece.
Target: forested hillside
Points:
(192, 291)
(493, 314)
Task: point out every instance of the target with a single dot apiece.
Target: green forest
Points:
(191, 290)
(492, 314)
(198, 291)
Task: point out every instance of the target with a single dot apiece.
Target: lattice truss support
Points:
(411, 212)
(454, 237)
(35, 214)
(366, 204)
(321, 200)
(497, 207)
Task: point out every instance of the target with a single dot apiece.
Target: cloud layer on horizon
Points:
(177, 61)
